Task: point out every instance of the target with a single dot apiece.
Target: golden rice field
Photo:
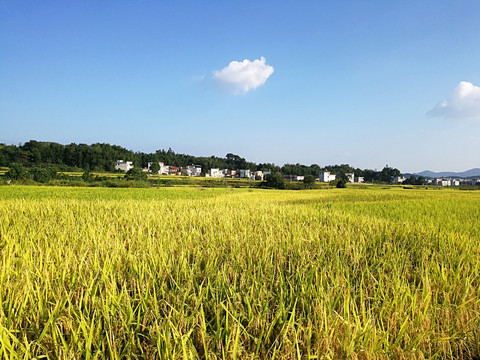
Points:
(192, 273)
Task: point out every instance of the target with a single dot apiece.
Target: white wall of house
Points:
(216, 173)
(192, 170)
(351, 177)
(245, 173)
(325, 176)
(123, 165)
(258, 175)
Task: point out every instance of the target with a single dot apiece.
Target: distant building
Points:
(470, 182)
(442, 182)
(228, 173)
(359, 179)
(163, 169)
(258, 175)
(446, 182)
(399, 179)
(325, 176)
(123, 165)
(294, 177)
(215, 173)
(173, 170)
(192, 170)
(245, 173)
(351, 177)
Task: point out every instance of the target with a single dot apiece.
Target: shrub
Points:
(341, 183)
(136, 174)
(308, 181)
(275, 181)
(17, 172)
(41, 175)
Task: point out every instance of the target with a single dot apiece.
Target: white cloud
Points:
(240, 77)
(463, 103)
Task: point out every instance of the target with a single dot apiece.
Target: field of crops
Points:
(180, 273)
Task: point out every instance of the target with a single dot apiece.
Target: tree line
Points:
(102, 157)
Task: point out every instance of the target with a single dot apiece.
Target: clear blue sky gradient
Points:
(353, 80)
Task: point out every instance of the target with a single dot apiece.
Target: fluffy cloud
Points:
(464, 103)
(240, 77)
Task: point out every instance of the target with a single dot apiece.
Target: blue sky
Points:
(367, 83)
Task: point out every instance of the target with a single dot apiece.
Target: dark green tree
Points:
(154, 167)
(412, 180)
(275, 181)
(17, 172)
(341, 183)
(388, 174)
(421, 180)
(41, 175)
(136, 174)
(308, 181)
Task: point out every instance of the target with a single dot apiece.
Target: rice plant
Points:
(190, 273)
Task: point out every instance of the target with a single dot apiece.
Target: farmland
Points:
(237, 273)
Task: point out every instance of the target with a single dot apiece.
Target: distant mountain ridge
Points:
(464, 174)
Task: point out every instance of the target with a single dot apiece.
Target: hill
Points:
(464, 174)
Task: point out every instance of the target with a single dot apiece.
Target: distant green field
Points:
(238, 273)
(104, 174)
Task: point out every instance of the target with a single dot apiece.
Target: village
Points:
(325, 176)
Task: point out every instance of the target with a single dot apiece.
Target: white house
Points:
(359, 179)
(123, 165)
(446, 182)
(245, 173)
(442, 182)
(192, 170)
(325, 176)
(172, 170)
(163, 169)
(228, 173)
(398, 179)
(351, 177)
(215, 173)
(258, 175)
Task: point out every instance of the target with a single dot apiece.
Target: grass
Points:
(180, 273)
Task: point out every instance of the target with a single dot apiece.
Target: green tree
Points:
(421, 180)
(341, 175)
(136, 174)
(17, 172)
(308, 181)
(41, 175)
(412, 180)
(341, 183)
(388, 174)
(155, 167)
(275, 181)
